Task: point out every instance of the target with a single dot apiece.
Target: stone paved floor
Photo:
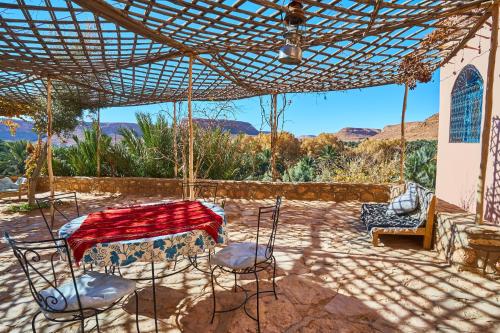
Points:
(330, 279)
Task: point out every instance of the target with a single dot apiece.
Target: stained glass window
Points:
(466, 106)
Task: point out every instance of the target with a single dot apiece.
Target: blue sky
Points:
(316, 113)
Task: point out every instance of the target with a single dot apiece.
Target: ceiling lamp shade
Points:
(294, 22)
(291, 53)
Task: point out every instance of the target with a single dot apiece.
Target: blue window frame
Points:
(466, 106)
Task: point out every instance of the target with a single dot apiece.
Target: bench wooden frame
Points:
(424, 231)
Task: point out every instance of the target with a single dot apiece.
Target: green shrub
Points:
(24, 207)
(420, 165)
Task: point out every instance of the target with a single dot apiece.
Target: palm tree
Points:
(153, 150)
(82, 157)
(13, 154)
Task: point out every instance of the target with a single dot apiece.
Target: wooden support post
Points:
(50, 170)
(98, 143)
(403, 142)
(49, 136)
(174, 134)
(190, 120)
(273, 120)
(488, 108)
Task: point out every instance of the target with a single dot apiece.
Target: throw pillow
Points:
(405, 203)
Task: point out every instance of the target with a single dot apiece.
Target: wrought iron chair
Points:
(61, 298)
(204, 190)
(56, 202)
(249, 258)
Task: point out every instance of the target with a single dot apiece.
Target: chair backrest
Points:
(206, 191)
(270, 214)
(56, 202)
(45, 280)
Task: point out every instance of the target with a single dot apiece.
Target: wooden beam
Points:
(471, 34)
(488, 108)
(111, 14)
(174, 139)
(403, 143)
(191, 132)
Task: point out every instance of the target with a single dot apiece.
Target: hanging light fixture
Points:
(294, 25)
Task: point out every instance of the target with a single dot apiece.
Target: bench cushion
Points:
(374, 216)
(404, 203)
(424, 200)
(7, 184)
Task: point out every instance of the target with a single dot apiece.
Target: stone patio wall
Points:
(231, 189)
(456, 234)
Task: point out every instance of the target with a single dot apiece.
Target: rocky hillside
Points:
(416, 130)
(232, 126)
(427, 129)
(356, 134)
(25, 131)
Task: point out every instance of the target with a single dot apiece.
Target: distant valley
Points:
(417, 130)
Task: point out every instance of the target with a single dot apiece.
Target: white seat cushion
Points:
(405, 203)
(96, 290)
(239, 256)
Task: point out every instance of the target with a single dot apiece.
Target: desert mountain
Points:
(415, 130)
(25, 131)
(232, 126)
(356, 134)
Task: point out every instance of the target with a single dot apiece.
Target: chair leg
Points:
(274, 278)
(33, 321)
(213, 294)
(257, 297)
(137, 311)
(97, 323)
(235, 283)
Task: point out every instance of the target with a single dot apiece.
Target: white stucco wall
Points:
(458, 163)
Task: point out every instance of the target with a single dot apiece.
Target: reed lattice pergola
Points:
(130, 52)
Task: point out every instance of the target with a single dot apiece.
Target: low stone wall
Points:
(231, 189)
(456, 236)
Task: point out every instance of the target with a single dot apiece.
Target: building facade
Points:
(461, 120)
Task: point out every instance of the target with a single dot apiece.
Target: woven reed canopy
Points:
(127, 52)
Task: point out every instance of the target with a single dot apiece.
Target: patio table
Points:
(160, 248)
(164, 248)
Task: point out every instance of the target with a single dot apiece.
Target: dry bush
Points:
(381, 151)
(314, 146)
(365, 170)
(288, 146)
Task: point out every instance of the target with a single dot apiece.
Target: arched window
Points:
(466, 106)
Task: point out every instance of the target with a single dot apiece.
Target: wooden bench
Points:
(423, 218)
(20, 191)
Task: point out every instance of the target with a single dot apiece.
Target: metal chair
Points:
(249, 258)
(61, 298)
(56, 202)
(204, 190)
